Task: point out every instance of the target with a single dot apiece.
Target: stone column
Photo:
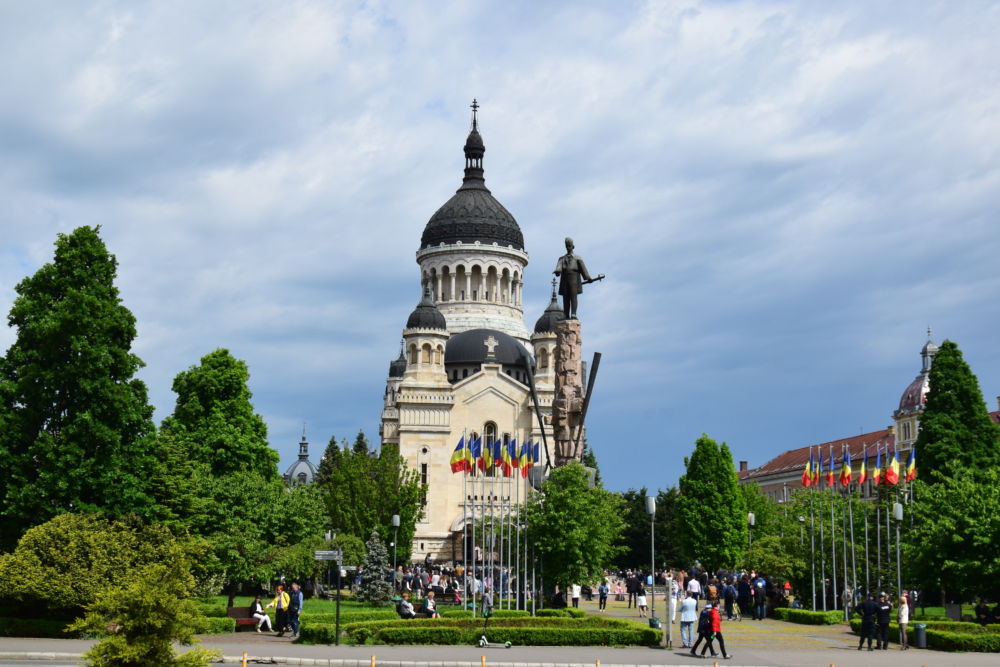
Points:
(567, 405)
(451, 295)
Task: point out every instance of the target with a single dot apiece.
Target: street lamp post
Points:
(897, 514)
(751, 520)
(395, 532)
(802, 531)
(651, 510)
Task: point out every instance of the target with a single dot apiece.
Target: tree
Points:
(214, 420)
(60, 566)
(329, 461)
(768, 517)
(361, 492)
(633, 541)
(574, 526)
(955, 427)
(953, 543)
(361, 445)
(711, 514)
(75, 425)
(150, 613)
(375, 587)
(590, 461)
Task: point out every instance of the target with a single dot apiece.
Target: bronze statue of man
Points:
(573, 276)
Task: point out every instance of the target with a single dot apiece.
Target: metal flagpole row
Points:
(833, 535)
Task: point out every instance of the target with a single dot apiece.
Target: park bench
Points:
(242, 617)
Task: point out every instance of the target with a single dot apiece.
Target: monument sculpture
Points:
(569, 405)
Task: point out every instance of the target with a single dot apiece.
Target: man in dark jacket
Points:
(882, 616)
(868, 609)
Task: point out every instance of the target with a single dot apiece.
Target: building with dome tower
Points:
(463, 368)
(779, 476)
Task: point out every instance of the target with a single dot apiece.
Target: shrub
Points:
(34, 627)
(807, 617)
(212, 610)
(497, 613)
(550, 613)
(521, 636)
(211, 625)
(983, 640)
(576, 613)
(351, 616)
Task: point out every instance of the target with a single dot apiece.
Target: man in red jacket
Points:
(715, 620)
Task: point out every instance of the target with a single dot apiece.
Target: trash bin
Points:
(920, 635)
(655, 623)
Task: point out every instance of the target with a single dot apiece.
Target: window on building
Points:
(423, 473)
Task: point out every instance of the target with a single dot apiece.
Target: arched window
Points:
(543, 358)
(425, 356)
(439, 355)
(412, 354)
(302, 478)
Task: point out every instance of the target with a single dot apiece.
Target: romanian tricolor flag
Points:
(829, 473)
(911, 467)
(807, 475)
(458, 459)
(477, 453)
(877, 472)
(525, 458)
(498, 450)
(863, 475)
(892, 470)
(846, 473)
(818, 470)
(535, 457)
(515, 460)
(505, 458)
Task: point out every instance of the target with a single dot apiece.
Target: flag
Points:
(458, 456)
(829, 473)
(470, 460)
(807, 473)
(513, 455)
(818, 470)
(497, 453)
(505, 458)
(846, 474)
(863, 475)
(535, 458)
(525, 457)
(477, 453)
(486, 462)
(892, 470)
(911, 467)
(877, 472)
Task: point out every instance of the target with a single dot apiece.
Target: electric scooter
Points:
(487, 612)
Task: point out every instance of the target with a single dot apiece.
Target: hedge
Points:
(349, 616)
(941, 639)
(211, 625)
(34, 627)
(807, 617)
(212, 610)
(520, 636)
(497, 613)
(469, 624)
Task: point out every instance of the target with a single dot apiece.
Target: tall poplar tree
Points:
(711, 511)
(955, 429)
(214, 420)
(76, 426)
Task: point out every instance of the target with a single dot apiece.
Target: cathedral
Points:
(467, 358)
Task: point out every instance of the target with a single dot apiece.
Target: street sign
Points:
(332, 554)
(349, 568)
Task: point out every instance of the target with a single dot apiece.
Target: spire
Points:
(928, 352)
(474, 150)
(555, 291)
(304, 444)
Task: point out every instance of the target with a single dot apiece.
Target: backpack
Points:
(705, 621)
(730, 593)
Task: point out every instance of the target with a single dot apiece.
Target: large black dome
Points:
(473, 214)
(469, 347)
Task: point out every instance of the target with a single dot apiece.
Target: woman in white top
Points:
(640, 601)
(257, 611)
(903, 617)
(689, 614)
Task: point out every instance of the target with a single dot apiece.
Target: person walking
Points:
(674, 589)
(694, 588)
(882, 615)
(602, 595)
(280, 604)
(295, 601)
(631, 585)
(689, 614)
(869, 610)
(716, 619)
(903, 618)
(575, 595)
(704, 633)
(759, 598)
(640, 600)
(729, 596)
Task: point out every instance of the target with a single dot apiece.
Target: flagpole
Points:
(812, 535)
(854, 550)
(465, 520)
(845, 600)
(822, 545)
(868, 577)
(833, 537)
(475, 497)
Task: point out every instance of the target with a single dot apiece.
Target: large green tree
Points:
(635, 537)
(574, 526)
(361, 491)
(710, 509)
(214, 420)
(955, 427)
(75, 424)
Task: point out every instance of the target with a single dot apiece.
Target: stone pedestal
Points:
(567, 406)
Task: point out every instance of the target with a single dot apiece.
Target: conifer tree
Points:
(589, 460)
(76, 426)
(329, 461)
(955, 429)
(710, 509)
(375, 587)
(361, 445)
(214, 420)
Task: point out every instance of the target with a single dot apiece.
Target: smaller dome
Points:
(915, 395)
(398, 366)
(552, 316)
(474, 146)
(470, 347)
(426, 315)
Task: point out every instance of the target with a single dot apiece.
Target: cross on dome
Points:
(491, 346)
(475, 108)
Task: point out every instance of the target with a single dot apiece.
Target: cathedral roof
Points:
(426, 315)
(473, 347)
(398, 366)
(552, 315)
(473, 214)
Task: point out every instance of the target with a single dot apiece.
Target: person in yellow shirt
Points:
(280, 604)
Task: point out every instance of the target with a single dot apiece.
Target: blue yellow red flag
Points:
(458, 456)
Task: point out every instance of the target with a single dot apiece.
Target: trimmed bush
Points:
(212, 610)
(983, 640)
(352, 616)
(317, 634)
(550, 613)
(576, 613)
(211, 625)
(468, 624)
(807, 617)
(497, 613)
(521, 636)
(34, 627)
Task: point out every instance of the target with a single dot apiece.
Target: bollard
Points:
(373, 661)
(482, 659)
(597, 663)
(244, 659)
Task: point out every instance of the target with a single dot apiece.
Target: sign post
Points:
(337, 556)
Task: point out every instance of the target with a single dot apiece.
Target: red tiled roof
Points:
(796, 459)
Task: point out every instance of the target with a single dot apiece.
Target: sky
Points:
(783, 195)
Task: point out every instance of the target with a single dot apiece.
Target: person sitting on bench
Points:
(257, 611)
(405, 607)
(430, 606)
